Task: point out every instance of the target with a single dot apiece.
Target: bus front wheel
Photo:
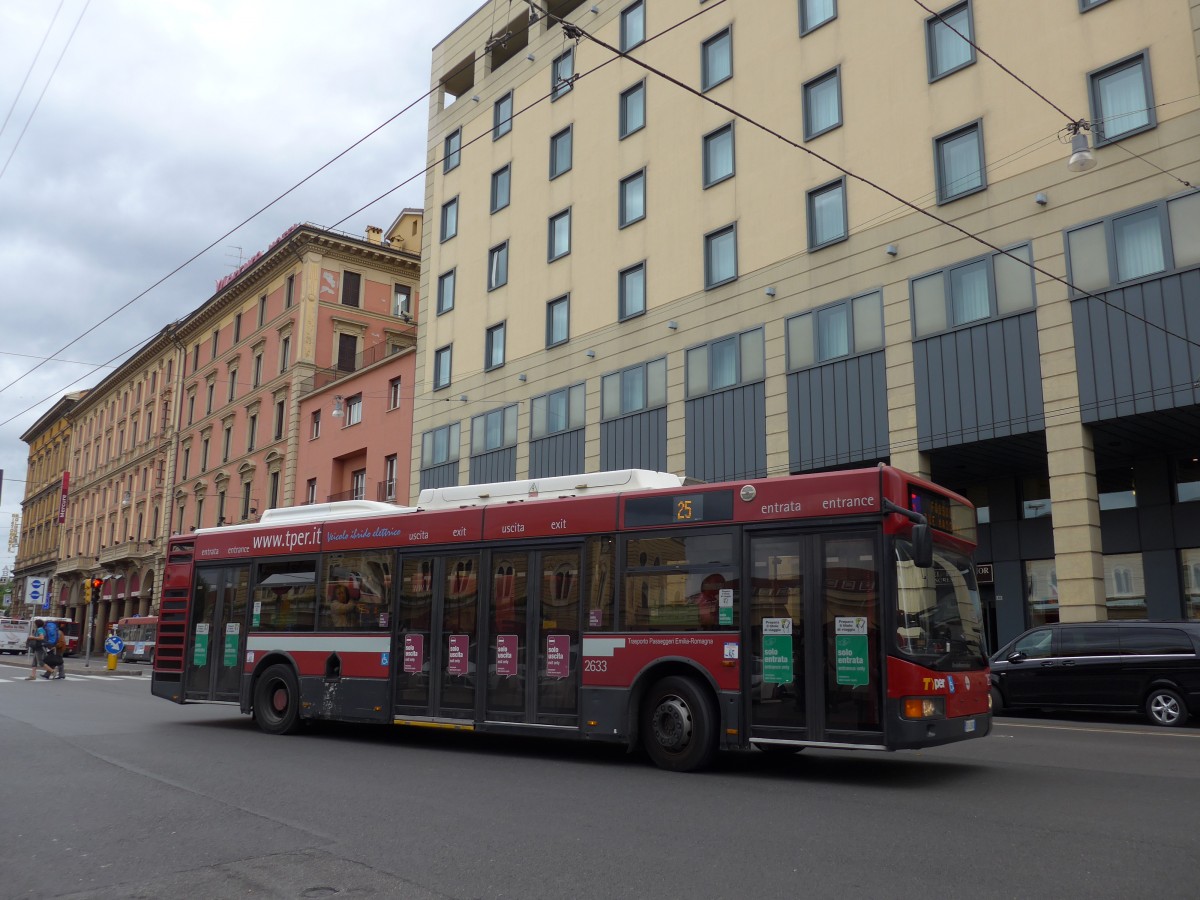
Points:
(277, 700)
(679, 725)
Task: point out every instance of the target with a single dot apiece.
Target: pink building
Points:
(315, 308)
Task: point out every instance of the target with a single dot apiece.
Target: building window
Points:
(251, 433)
(233, 376)
(720, 257)
(946, 49)
(449, 219)
(280, 418)
(497, 266)
(558, 321)
(847, 327)
(493, 351)
(1122, 99)
(631, 290)
(502, 116)
(633, 25)
(562, 74)
(990, 286)
(358, 484)
(823, 104)
(262, 310)
(316, 424)
(725, 363)
(559, 236)
(1135, 244)
(389, 477)
(186, 464)
(501, 180)
(257, 369)
(815, 13)
(1125, 586)
(351, 288)
(237, 335)
(560, 152)
(215, 339)
(716, 59)
(226, 442)
(632, 205)
(494, 430)
(632, 110)
(1041, 591)
(354, 409)
(1115, 488)
(445, 297)
(440, 446)
(394, 393)
(827, 214)
(285, 351)
(310, 491)
(401, 300)
(718, 155)
(441, 366)
(208, 399)
(634, 389)
(1187, 482)
(289, 292)
(1035, 497)
(195, 358)
(247, 508)
(557, 411)
(451, 151)
(1189, 561)
(204, 456)
(958, 159)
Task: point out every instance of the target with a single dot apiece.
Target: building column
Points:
(901, 385)
(1075, 507)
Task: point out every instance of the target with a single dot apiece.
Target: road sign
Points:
(114, 644)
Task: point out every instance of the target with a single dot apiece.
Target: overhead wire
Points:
(45, 87)
(36, 56)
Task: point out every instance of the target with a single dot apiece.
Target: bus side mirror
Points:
(922, 544)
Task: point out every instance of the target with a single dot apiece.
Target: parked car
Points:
(1152, 667)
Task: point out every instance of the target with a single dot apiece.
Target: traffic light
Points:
(97, 583)
(87, 590)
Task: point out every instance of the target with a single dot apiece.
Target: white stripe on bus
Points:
(595, 646)
(367, 643)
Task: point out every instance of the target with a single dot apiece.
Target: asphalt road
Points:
(110, 792)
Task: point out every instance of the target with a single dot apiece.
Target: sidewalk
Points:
(78, 665)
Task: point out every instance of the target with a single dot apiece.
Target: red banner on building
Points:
(62, 502)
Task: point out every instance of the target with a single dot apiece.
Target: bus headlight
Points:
(924, 707)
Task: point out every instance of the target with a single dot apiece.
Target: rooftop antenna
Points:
(240, 258)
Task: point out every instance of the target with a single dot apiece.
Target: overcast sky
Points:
(164, 125)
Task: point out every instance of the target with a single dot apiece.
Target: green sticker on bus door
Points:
(850, 648)
(200, 650)
(725, 606)
(777, 651)
(231, 644)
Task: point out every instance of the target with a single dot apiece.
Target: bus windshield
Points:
(939, 621)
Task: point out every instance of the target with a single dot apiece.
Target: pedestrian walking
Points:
(36, 641)
(60, 650)
(50, 657)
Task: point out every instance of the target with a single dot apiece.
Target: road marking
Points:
(1159, 733)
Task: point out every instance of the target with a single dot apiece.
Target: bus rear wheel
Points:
(679, 725)
(277, 700)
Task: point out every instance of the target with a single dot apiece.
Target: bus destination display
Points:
(941, 512)
(679, 509)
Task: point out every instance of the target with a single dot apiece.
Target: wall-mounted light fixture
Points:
(529, 56)
(672, 324)
(462, 398)
(591, 354)
(892, 250)
(770, 292)
(475, 97)
(338, 409)
(1041, 199)
(521, 377)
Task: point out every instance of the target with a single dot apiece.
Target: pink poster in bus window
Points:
(414, 653)
(456, 659)
(506, 654)
(558, 656)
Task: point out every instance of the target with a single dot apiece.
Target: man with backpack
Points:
(36, 642)
(51, 658)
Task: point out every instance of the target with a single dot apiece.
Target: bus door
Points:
(813, 629)
(533, 603)
(437, 637)
(217, 633)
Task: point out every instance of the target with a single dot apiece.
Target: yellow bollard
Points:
(112, 662)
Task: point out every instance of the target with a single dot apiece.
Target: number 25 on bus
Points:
(826, 610)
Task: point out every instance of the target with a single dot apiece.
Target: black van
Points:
(1112, 666)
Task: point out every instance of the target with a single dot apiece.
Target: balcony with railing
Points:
(366, 357)
(125, 551)
(74, 564)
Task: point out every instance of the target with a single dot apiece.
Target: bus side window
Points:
(600, 584)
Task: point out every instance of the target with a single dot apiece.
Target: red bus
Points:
(827, 610)
(138, 633)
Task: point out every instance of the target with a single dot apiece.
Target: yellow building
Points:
(810, 235)
(47, 483)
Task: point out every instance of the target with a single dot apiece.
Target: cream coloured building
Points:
(869, 247)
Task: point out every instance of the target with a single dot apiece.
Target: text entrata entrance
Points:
(217, 640)
(814, 627)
